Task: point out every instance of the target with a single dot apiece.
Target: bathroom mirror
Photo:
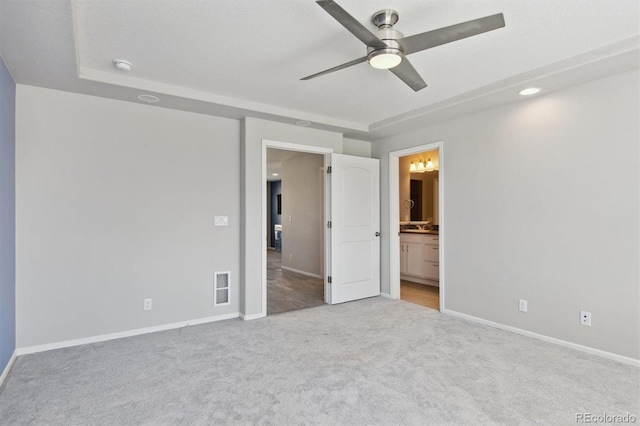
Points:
(423, 191)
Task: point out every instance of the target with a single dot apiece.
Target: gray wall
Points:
(541, 203)
(303, 201)
(7, 217)
(115, 203)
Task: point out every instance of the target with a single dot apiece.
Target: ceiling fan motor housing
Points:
(384, 20)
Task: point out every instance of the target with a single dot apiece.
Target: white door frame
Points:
(266, 143)
(394, 216)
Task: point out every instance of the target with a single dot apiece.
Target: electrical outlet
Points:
(522, 305)
(585, 318)
(147, 304)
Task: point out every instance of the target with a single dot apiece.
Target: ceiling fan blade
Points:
(351, 24)
(339, 67)
(407, 73)
(429, 39)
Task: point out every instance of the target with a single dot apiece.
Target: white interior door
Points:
(355, 220)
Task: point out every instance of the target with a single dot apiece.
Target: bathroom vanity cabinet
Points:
(420, 257)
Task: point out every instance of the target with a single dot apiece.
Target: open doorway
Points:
(419, 228)
(295, 230)
(416, 229)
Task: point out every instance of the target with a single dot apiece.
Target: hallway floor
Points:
(420, 294)
(288, 291)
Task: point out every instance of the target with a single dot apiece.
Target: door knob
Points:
(377, 234)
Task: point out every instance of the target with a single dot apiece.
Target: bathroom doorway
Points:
(416, 225)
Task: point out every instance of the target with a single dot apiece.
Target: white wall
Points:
(303, 213)
(115, 203)
(542, 203)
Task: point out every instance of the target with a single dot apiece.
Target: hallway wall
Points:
(7, 217)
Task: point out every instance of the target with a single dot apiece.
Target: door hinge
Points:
(329, 169)
(329, 279)
(329, 224)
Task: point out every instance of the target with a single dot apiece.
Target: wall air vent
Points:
(221, 288)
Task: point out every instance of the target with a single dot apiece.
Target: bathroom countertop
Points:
(419, 231)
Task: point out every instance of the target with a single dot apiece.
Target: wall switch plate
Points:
(147, 304)
(585, 318)
(221, 221)
(522, 305)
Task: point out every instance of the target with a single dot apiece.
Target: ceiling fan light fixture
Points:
(384, 59)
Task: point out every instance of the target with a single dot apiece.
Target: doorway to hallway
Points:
(295, 230)
(351, 225)
(290, 291)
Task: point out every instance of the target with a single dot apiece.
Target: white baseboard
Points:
(308, 274)
(593, 351)
(120, 335)
(6, 370)
(387, 295)
(252, 316)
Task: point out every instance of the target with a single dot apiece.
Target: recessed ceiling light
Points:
(148, 98)
(529, 91)
(274, 174)
(122, 65)
(303, 123)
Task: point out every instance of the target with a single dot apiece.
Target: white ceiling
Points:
(237, 58)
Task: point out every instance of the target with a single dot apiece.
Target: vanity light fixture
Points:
(429, 165)
(274, 174)
(422, 166)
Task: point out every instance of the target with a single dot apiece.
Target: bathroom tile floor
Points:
(420, 294)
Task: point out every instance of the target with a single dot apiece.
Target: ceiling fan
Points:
(387, 48)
